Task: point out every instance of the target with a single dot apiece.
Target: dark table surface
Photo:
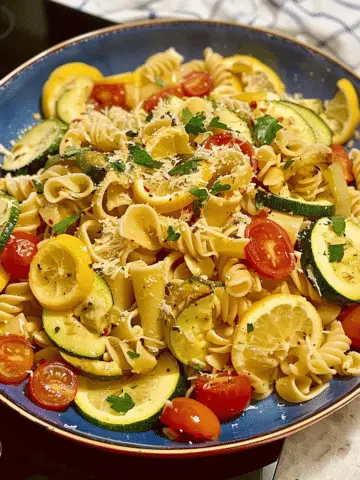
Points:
(29, 451)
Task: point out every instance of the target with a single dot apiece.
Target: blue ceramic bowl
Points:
(122, 48)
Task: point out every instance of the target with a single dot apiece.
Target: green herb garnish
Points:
(118, 166)
(193, 123)
(121, 404)
(265, 129)
(132, 355)
(288, 164)
(141, 156)
(149, 117)
(64, 224)
(201, 195)
(20, 172)
(336, 252)
(172, 236)
(159, 81)
(39, 187)
(219, 187)
(131, 134)
(249, 327)
(185, 167)
(338, 225)
(216, 124)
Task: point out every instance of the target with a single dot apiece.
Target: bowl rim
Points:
(194, 451)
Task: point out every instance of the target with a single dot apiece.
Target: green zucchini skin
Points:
(12, 218)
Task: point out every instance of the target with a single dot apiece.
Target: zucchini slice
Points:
(233, 121)
(294, 206)
(321, 131)
(97, 369)
(290, 119)
(33, 148)
(72, 103)
(9, 214)
(336, 281)
(149, 392)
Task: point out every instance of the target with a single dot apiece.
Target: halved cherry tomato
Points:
(53, 386)
(108, 95)
(345, 311)
(340, 155)
(16, 359)
(197, 84)
(187, 416)
(18, 253)
(351, 326)
(226, 139)
(226, 395)
(269, 251)
(150, 103)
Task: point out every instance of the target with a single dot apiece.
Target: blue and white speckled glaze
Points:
(121, 49)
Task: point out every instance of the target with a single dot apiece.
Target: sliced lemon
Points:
(271, 327)
(169, 141)
(60, 273)
(59, 78)
(342, 112)
(256, 76)
(4, 278)
(163, 197)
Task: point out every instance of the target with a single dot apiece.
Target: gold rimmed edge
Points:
(194, 451)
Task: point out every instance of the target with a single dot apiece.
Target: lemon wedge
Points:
(342, 112)
(59, 79)
(271, 327)
(60, 273)
(255, 75)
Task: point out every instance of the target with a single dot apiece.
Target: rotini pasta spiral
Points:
(29, 218)
(18, 187)
(13, 299)
(355, 204)
(354, 155)
(160, 64)
(214, 63)
(238, 280)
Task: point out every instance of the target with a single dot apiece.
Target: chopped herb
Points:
(336, 252)
(131, 134)
(149, 117)
(141, 156)
(132, 355)
(38, 186)
(172, 236)
(57, 329)
(193, 123)
(249, 327)
(21, 171)
(265, 129)
(159, 81)
(197, 367)
(63, 225)
(219, 187)
(338, 225)
(118, 166)
(216, 124)
(121, 404)
(288, 164)
(201, 195)
(185, 167)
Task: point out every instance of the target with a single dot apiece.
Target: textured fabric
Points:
(333, 25)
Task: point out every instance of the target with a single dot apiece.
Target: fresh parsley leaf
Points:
(121, 404)
(338, 225)
(21, 171)
(141, 156)
(197, 367)
(193, 123)
(201, 195)
(63, 225)
(249, 327)
(219, 187)
(39, 187)
(118, 166)
(131, 134)
(159, 81)
(216, 124)
(265, 129)
(288, 164)
(149, 117)
(172, 236)
(132, 355)
(185, 167)
(336, 252)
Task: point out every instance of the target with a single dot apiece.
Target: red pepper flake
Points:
(146, 188)
(281, 119)
(51, 222)
(253, 104)
(263, 110)
(104, 332)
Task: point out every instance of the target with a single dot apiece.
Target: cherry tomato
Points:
(351, 326)
(16, 358)
(340, 155)
(269, 251)
(108, 95)
(226, 139)
(53, 386)
(346, 310)
(18, 253)
(150, 103)
(197, 84)
(226, 395)
(192, 418)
